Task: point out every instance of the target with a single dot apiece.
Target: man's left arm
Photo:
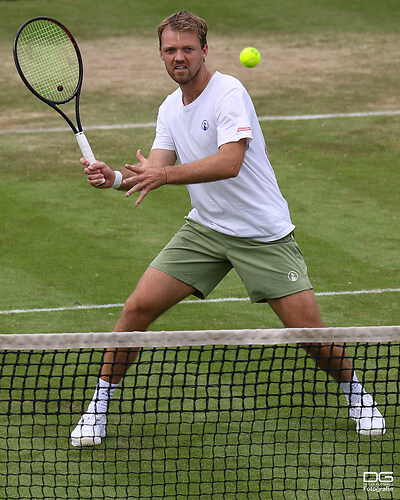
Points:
(224, 164)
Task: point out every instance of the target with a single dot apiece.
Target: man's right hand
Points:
(97, 172)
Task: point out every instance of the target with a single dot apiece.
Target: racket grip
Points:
(86, 150)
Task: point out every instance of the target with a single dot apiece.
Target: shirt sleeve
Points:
(163, 139)
(233, 117)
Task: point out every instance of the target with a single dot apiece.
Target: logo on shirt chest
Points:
(204, 125)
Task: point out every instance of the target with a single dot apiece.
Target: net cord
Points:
(42, 341)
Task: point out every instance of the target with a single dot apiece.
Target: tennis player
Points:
(239, 219)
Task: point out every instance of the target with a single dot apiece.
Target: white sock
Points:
(353, 390)
(101, 397)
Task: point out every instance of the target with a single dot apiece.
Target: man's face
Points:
(182, 55)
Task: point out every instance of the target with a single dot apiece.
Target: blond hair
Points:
(182, 21)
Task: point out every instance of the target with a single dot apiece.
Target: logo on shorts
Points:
(293, 276)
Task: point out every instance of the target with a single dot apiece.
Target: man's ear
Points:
(204, 52)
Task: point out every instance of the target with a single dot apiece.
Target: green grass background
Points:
(93, 20)
(64, 244)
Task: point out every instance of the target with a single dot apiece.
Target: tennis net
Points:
(205, 414)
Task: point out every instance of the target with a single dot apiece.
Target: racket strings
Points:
(48, 60)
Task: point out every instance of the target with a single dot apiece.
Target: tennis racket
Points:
(49, 62)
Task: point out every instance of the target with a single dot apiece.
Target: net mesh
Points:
(48, 60)
(213, 421)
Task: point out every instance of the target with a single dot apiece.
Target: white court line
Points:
(330, 115)
(261, 119)
(196, 301)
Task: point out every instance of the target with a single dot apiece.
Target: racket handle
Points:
(86, 150)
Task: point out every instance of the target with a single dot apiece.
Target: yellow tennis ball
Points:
(250, 57)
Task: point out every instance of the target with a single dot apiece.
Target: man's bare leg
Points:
(155, 293)
(300, 310)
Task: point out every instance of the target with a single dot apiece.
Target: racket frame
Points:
(78, 130)
(77, 91)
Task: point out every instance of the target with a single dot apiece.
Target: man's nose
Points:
(180, 55)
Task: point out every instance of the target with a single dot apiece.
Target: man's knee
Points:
(137, 308)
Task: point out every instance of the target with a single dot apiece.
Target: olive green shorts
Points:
(201, 257)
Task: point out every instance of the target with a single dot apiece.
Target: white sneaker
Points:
(90, 429)
(369, 420)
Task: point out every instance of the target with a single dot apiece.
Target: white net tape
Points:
(41, 341)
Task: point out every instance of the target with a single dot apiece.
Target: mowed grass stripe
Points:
(190, 301)
(261, 119)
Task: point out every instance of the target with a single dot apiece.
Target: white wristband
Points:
(118, 179)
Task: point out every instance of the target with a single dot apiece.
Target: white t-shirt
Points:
(249, 205)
